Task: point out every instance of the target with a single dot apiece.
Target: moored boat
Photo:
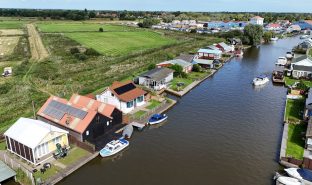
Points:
(157, 118)
(274, 39)
(289, 55)
(300, 173)
(283, 180)
(278, 77)
(304, 36)
(260, 80)
(127, 131)
(114, 147)
(281, 61)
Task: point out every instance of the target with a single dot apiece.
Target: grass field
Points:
(79, 27)
(294, 109)
(11, 24)
(295, 143)
(120, 43)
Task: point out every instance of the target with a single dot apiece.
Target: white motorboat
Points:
(260, 80)
(114, 147)
(289, 55)
(282, 180)
(281, 61)
(292, 172)
(274, 39)
(304, 36)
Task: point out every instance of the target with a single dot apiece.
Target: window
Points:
(129, 104)
(87, 133)
(140, 99)
(57, 140)
(112, 94)
(107, 123)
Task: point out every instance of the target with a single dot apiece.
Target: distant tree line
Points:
(166, 16)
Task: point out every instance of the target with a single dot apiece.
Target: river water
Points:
(224, 131)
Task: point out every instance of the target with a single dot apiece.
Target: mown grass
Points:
(153, 104)
(294, 110)
(139, 114)
(48, 173)
(295, 142)
(291, 81)
(193, 76)
(63, 27)
(7, 24)
(121, 43)
(74, 155)
(2, 145)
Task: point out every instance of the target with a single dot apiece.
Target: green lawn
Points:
(153, 104)
(63, 27)
(290, 81)
(49, 173)
(187, 81)
(120, 43)
(74, 155)
(2, 145)
(295, 143)
(294, 110)
(139, 114)
(11, 24)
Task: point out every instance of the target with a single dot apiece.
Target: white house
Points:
(257, 20)
(126, 96)
(187, 66)
(302, 68)
(156, 79)
(293, 28)
(34, 140)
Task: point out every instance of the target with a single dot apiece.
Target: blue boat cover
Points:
(305, 174)
(261, 76)
(123, 141)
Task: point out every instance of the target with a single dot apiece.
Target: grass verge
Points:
(294, 110)
(295, 142)
(74, 155)
(153, 104)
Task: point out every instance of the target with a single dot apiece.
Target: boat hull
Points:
(261, 82)
(158, 121)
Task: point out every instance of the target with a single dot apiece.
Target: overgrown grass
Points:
(295, 142)
(294, 110)
(153, 104)
(139, 114)
(8, 24)
(74, 155)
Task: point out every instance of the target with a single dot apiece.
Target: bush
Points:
(91, 52)
(101, 29)
(197, 68)
(5, 88)
(74, 50)
(81, 56)
(46, 70)
(170, 56)
(22, 177)
(151, 66)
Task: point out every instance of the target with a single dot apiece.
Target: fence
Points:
(84, 145)
(15, 165)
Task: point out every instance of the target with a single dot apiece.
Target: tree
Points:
(101, 29)
(254, 34)
(168, 18)
(178, 70)
(196, 68)
(268, 35)
(147, 23)
(74, 50)
(91, 52)
(151, 66)
(193, 31)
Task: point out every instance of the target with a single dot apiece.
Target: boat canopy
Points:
(157, 116)
(305, 174)
(261, 76)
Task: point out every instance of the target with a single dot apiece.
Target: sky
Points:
(167, 5)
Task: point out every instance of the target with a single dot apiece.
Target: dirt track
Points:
(38, 51)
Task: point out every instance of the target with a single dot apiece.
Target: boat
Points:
(127, 131)
(289, 55)
(304, 36)
(274, 39)
(260, 80)
(239, 53)
(283, 180)
(114, 147)
(299, 173)
(281, 61)
(278, 77)
(157, 118)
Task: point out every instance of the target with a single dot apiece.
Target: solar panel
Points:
(125, 88)
(58, 110)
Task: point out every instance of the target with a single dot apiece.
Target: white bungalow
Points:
(257, 20)
(123, 95)
(156, 79)
(34, 140)
(302, 68)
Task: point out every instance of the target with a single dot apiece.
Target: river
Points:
(224, 131)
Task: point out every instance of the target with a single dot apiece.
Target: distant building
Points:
(257, 20)
(224, 47)
(187, 66)
(304, 24)
(126, 96)
(156, 79)
(34, 140)
(208, 54)
(273, 27)
(293, 28)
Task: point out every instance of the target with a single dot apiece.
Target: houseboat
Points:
(278, 77)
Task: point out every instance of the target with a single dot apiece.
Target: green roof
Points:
(5, 172)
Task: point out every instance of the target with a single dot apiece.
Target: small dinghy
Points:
(157, 118)
(260, 80)
(114, 147)
(283, 180)
(127, 131)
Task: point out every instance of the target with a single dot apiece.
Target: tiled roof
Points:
(257, 17)
(79, 124)
(128, 95)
